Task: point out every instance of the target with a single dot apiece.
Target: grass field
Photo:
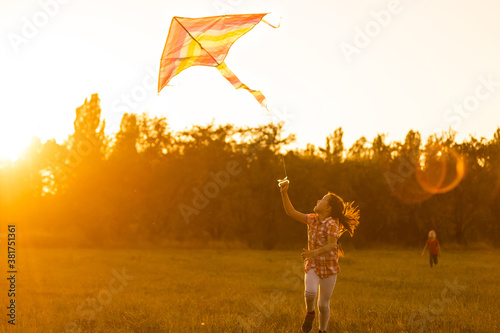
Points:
(165, 290)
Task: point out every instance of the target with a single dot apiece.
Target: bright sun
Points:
(12, 142)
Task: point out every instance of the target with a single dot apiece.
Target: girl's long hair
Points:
(346, 213)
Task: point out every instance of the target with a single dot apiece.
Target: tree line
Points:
(150, 185)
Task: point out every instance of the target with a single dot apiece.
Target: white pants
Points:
(326, 285)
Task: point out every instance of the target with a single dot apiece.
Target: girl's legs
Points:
(325, 293)
(311, 282)
(433, 258)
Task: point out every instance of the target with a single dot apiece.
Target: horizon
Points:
(289, 147)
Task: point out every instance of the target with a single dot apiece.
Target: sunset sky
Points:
(367, 66)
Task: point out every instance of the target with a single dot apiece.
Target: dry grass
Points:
(231, 290)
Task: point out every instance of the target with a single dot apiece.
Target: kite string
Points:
(284, 180)
(284, 166)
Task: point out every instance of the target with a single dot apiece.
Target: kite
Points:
(205, 41)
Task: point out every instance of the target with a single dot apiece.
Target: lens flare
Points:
(401, 181)
(417, 178)
(443, 173)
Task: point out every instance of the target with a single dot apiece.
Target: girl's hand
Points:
(284, 186)
(307, 254)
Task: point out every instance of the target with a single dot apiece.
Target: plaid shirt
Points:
(325, 264)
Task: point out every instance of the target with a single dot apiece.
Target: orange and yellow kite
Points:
(205, 42)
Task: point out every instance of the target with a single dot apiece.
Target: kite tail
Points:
(237, 84)
(272, 26)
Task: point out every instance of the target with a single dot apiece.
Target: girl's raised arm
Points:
(287, 204)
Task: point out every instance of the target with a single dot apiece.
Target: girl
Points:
(331, 218)
(434, 249)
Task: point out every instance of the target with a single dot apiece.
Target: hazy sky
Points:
(367, 66)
